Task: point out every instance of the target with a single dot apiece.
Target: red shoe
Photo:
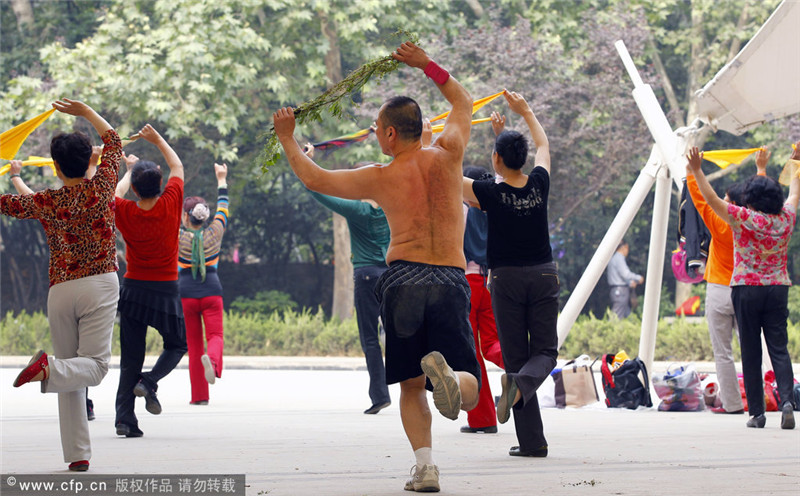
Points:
(37, 365)
(80, 466)
(720, 409)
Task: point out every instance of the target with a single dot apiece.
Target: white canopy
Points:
(762, 82)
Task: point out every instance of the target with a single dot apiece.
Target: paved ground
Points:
(295, 427)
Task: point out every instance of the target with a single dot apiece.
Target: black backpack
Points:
(624, 387)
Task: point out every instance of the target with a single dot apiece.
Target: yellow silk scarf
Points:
(11, 140)
(724, 158)
(476, 105)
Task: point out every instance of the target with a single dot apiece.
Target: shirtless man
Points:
(425, 294)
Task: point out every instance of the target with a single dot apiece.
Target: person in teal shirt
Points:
(369, 240)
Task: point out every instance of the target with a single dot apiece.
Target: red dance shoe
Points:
(79, 466)
(720, 409)
(37, 365)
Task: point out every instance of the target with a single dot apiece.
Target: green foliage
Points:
(286, 333)
(264, 302)
(677, 339)
(331, 99)
(794, 304)
(290, 333)
(307, 333)
(24, 333)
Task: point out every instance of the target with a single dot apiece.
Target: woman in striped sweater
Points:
(201, 291)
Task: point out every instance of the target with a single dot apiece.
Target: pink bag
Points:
(679, 267)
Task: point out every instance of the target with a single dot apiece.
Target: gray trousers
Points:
(81, 316)
(621, 301)
(721, 327)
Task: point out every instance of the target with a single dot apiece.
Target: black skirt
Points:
(155, 303)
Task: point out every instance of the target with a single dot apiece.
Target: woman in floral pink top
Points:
(760, 282)
(78, 220)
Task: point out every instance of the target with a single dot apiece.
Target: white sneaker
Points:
(446, 393)
(208, 369)
(423, 480)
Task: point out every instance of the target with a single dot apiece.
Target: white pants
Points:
(721, 327)
(81, 316)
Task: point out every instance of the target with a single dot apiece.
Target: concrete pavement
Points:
(294, 426)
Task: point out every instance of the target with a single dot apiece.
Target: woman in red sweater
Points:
(149, 295)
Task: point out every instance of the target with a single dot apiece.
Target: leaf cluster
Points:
(331, 99)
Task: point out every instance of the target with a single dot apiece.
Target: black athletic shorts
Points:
(425, 308)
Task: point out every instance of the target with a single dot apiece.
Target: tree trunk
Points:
(475, 5)
(342, 306)
(698, 63)
(24, 12)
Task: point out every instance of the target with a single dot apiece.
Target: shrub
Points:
(677, 339)
(307, 333)
(264, 302)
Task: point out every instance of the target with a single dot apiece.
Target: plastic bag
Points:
(680, 390)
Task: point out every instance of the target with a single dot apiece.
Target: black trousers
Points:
(763, 308)
(525, 304)
(133, 333)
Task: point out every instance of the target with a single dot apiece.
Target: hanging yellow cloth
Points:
(791, 169)
(724, 158)
(477, 104)
(11, 140)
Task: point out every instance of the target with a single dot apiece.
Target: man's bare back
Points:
(421, 196)
(420, 190)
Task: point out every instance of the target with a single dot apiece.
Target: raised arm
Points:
(173, 162)
(16, 180)
(94, 161)
(794, 186)
(457, 127)
(762, 157)
(353, 184)
(517, 103)
(74, 107)
(716, 203)
(427, 133)
(468, 193)
(124, 184)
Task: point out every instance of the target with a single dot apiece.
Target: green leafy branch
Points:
(331, 100)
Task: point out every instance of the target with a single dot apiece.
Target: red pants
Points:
(210, 310)
(487, 346)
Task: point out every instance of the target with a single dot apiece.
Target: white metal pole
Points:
(655, 268)
(599, 262)
(655, 119)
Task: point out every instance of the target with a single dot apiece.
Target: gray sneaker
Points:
(208, 369)
(423, 480)
(446, 393)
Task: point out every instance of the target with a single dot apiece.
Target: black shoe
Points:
(758, 421)
(376, 408)
(128, 431)
(538, 453)
(787, 416)
(89, 409)
(151, 402)
(492, 429)
(201, 402)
